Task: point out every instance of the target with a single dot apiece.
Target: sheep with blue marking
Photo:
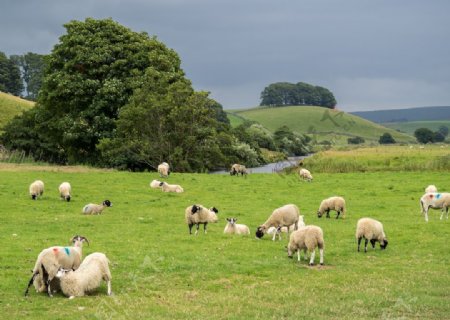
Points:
(435, 200)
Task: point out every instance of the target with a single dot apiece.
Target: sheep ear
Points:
(228, 219)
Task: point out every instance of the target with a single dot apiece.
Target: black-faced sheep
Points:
(333, 203)
(371, 230)
(165, 187)
(273, 230)
(237, 169)
(281, 217)
(36, 189)
(155, 184)
(64, 191)
(198, 214)
(435, 200)
(307, 238)
(92, 208)
(234, 228)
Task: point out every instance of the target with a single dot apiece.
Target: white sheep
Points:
(198, 214)
(155, 184)
(234, 228)
(307, 238)
(238, 168)
(49, 261)
(431, 188)
(370, 229)
(305, 174)
(93, 269)
(36, 189)
(165, 187)
(281, 217)
(64, 191)
(164, 170)
(333, 203)
(273, 230)
(435, 200)
(93, 208)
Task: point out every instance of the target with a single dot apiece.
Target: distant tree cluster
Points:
(425, 135)
(386, 138)
(355, 140)
(10, 80)
(290, 94)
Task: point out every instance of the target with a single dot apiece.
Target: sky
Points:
(372, 54)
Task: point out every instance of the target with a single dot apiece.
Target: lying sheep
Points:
(238, 168)
(49, 261)
(36, 189)
(198, 214)
(155, 184)
(164, 170)
(435, 200)
(92, 208)
(281, 217)
(307, 238)
(273, 230)
(65, 190)
(234, 228)
(333, 203)
(305, 174)
(431, 188)
(370, 229)
(165, 187)
(93, 269)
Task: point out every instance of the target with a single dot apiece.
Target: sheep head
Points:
(107, 203)
(319, 213)
(260, 231)
(232, 221)
(383, 244)
(79, 239)
(62, 272)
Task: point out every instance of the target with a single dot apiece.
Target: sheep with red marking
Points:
(435, 200)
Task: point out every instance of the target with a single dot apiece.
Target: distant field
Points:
(324, 124)
(11, 106)
(410, 127)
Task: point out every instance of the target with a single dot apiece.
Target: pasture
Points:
(160, 271)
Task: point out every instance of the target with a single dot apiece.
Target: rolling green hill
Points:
(324, 124)
(11, 106)
(410, 127)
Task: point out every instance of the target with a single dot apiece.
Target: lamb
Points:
(281, 217)
(435, 200)
(93, 269)
(50, 259)
(370, 229)
(155, 184)
(198, 214)
(164, 170)
(165, 187)
(431, 188)
(234, 228)
(305, 174)
(273, 230)
(36, 189)
(92, 208)
(238, 168)
(333, 203)
(65, 190)
(307, 238)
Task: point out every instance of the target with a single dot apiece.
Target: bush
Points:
(355, 140)
(386, 138)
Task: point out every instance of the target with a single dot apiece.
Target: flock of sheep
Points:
(62, 268)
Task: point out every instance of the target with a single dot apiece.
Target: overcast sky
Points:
(372, 54)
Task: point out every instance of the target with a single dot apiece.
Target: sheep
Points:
(431, 188)
(333, 203)
(93, 269)
(305, 174)
(238, 168)
(435, 200)
(92, 208)
(370, 229)
(281, 217)
(36, 189)
(273, 230)
(234, 228)
(198, 214)
(50, 259)
(164, 170)
(307, 238)
(155, 184)
(165, 187)
(65, 190)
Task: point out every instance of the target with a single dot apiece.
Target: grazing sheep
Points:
(238, 168)
(431, 188)
(36, 189)
(307, 238)
(333, 203)
(64, 190)
(165, 187)
(93, 269)
(305, 174)
(92, 208)
(281, 217)
(234, 228)
(49, 261)
(164, 170)
(435, 200)
(155, 184)
(198, 214)
(370, 229)
(273, 230)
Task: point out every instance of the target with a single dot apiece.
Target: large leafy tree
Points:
(32, 67)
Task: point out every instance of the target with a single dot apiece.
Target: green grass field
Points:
(11, 106)
(161, 272)
(410, 127)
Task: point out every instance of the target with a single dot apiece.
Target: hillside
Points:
(404, 115)
(325, 124)
(410, 127)
(11, 106)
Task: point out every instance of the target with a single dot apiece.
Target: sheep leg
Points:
(198, 226)
(190, 228)
(338, 213)
(313, 255)
(328, 213)
(31, 282)
(298, 255)
(109, 287)
(426, 214)
(372, 242)
(442, 214)
(204, 227)
(49, 290)
(305, 253)
(321, 256)
(359, 242)
(365, 244)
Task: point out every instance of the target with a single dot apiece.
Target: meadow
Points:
(161, 272)
(10, 106)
